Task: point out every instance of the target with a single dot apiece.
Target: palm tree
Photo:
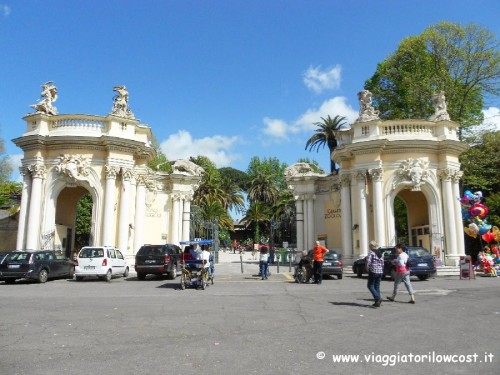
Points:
(325, 134)
(233, 199)
(257, 213)
(263, 189)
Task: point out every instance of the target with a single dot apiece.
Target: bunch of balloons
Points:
(475, 212)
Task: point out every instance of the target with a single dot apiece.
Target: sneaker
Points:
(411, 301)
(390, 299)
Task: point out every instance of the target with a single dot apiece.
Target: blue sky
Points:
(227, 79)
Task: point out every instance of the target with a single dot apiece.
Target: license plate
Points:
(422, 264)
(89, 268)
(149, 261)
(14, 266)
(327, 263)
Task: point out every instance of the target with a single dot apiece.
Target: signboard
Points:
(466, 268)
(285, 244)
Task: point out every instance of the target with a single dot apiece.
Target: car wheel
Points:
(423, 277)
(43, 276)
(125, 274)
(71, 272)
(141, 276)
(108, 276)
(359, 273)
(340, 276)
(183, 282)
(79, 278)
(172, 274)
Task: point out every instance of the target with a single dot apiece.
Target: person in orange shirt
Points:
(318, 253)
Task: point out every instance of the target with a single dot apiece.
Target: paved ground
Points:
(243, 325)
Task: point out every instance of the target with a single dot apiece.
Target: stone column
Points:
(123, 221)
(310, 222)
(378, 206)
(108, 226)
(186, 217)
(449, 217)
(458, 213)
(23, 211)
(140, 212)
(34, 220)
(363, 222)
(299, 217)
(175, 218)
(345, 201)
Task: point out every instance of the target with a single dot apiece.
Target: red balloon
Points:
(488, 237)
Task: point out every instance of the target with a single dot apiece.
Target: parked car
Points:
(158, 260)
(422, 263)
(35, 265)
(332, 264)
(101, 261)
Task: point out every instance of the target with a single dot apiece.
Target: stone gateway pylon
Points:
(415, 161)
(67, 156)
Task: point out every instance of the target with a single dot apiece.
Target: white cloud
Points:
(492, 118)
(277, 129)
(4, 10)
(217, 148)
(317, 80)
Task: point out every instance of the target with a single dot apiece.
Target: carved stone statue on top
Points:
(187, 167)
(120, 103)
(302, 169)
(440, 108)
(411, 173)
(49, 95)
(74, 167)
(366, 110)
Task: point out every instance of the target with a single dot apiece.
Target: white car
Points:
(101, 261)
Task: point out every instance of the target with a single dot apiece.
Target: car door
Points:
(119, 262)
(54, 264)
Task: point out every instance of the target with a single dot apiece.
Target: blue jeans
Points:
(405, 279)
(263, 269)
(374, 284)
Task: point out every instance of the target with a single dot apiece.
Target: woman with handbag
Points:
(402, 274)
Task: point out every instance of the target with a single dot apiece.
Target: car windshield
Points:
(418, 253)
(331, 256)
(91, 252)
(151, 250)
(17, 257)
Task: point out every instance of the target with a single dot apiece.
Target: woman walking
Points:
(402, 274)
(375, 265)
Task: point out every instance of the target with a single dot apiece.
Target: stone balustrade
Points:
(83, 123)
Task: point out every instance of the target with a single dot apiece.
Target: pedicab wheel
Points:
(183, 282)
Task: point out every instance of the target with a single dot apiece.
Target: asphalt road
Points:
(243, 325)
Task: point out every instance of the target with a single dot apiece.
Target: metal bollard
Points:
(241, 261)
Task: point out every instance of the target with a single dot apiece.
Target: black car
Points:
(332, 265)
(158, 260)
(421, 262)
(35, 265)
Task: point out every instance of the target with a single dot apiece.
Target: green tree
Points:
(263, 189)
(238, 177)
(325, 134)
(267, 166)
(258, 213)
(464, 62)
(83, 224)
(233, 197)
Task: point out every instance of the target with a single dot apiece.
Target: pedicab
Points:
(194, 273)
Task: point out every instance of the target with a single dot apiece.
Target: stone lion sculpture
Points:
(187, 168)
